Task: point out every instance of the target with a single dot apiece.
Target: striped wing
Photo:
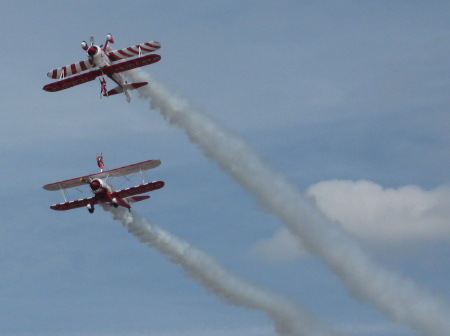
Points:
(69, 70)
(143, 48)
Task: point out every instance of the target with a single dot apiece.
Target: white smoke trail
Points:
(289, 319)
(399, 298)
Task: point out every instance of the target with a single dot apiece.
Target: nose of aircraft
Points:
(95, 185)
(92, 50)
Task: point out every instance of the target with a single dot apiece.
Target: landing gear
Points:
(114, 203)
(90, 208)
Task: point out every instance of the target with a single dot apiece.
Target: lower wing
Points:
(72, 81)
(140, 189)
(131, 64)
(74, 204)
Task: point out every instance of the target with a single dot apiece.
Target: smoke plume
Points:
(289, 319)
(399, 298)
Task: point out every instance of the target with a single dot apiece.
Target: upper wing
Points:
(140, 189)
(72, 81)
(75, 182)
(71, 69)
(142, 48)
(130, 169)
(67, 183)
(74, 204)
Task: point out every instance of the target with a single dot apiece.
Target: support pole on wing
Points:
(63, 192)
(144, 176)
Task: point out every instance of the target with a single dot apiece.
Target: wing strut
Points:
(63, 193)
(144, 175)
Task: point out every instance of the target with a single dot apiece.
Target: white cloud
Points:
(387, 215)
(372, 213)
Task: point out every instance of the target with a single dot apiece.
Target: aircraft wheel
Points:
(90, 208)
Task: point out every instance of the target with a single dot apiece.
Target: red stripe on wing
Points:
(153, 46)
(133, 50)
(123, 53)
(83, 66)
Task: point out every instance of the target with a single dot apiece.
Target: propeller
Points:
(86, 46)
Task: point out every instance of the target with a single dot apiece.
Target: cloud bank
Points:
(372, 213)
(369, 211)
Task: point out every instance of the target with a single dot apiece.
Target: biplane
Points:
(103, 192)
(109, 62)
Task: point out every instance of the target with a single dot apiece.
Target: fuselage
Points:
(102, 192)
(99, 58)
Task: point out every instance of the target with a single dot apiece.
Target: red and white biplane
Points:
(103, 192)
(109, 62)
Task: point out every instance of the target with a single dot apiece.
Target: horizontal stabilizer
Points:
(116, 90)
(138, 198)
(119, 89)
(137, 85)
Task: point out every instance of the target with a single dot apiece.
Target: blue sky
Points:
(349, 101)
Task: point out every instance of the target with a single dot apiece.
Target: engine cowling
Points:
(92, 50)
(98, 185)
